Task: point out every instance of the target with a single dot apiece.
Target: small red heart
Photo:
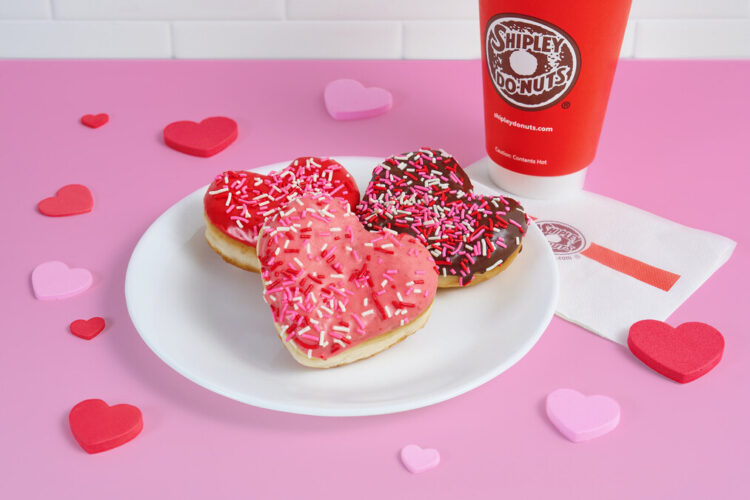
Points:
(99, 427)
(201, 139)
(72, 199)
(683, 354)
(87, 329)
(95, 121)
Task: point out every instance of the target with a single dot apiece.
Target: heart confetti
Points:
(87, 329)
(683, 354)
(579, 417)
(348, 99)
(73, 199)
(54, 280)
(99, 427)
(417, 459)
(204, 139)
(95, 121)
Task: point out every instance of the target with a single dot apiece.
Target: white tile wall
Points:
(167, 9)
(332, 28)
(26, 9)
(693, 38)
(293, 39)
(441, 40)
(382, 9)
(678, 9)
(78, 39)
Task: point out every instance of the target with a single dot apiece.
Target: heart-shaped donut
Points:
(237, 203)
(428, 195)
(339, 293)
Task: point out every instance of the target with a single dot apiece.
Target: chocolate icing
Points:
(428, 195)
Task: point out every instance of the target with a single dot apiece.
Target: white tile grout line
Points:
(51, 9)
(635, 38)
(402, 27)
(171, 40)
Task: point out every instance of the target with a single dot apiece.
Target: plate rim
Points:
(382, 409)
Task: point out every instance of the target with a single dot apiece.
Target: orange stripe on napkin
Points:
(639, 270)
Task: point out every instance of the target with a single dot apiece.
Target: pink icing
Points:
(331, 284)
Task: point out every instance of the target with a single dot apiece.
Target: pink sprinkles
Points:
(334, 298)
(426, 194)
(247, 199)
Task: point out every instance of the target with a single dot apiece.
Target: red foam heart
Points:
(72, 199)
(201, 139)
(87, 329)
(99, 427)
(95, 121)
(238, 202)
(683, 354)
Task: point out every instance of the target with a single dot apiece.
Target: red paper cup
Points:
(547, 71)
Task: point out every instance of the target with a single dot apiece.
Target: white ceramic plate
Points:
(207, 320)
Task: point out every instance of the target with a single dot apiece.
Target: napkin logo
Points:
(563, 238)
(532, 64)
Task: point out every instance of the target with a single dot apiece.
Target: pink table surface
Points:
(675, 142)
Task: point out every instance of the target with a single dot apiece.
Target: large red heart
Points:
(99, 427)
(95, 121)
(428, 195)
(683, 354)
(239, 202)
(333, 285)
(72, 199)
(87, 329)
(201, 139)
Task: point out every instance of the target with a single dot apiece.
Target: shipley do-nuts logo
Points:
(532, 64)
(563, 238)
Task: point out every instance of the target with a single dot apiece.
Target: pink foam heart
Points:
(54, 280)
(579, 417)
(348, 99)
(417, 459)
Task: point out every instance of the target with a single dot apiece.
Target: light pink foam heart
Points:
(417, 459)
(579, 417)
(348, 99)
(54, 280)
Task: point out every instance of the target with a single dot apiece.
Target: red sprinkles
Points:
(329, 295)
(238, 202)
(428, 195)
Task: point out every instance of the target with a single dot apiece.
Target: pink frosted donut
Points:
(339, 293)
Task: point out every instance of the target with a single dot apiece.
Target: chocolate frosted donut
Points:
(428, 195)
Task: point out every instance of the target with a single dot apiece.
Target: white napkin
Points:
(620, 264)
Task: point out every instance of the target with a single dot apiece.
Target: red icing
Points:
(342, 285)
(256, 197)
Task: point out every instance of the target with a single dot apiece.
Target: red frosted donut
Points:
(238, 202)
